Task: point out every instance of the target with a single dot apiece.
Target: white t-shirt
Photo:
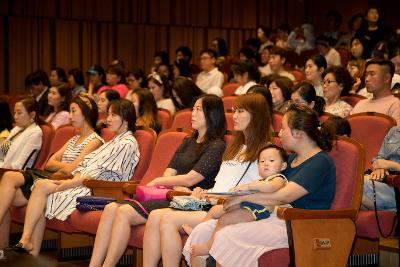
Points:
(209, 81)
(167, 104)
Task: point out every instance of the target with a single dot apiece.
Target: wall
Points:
(71, 33)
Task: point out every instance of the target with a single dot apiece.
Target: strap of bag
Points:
(138, 203)
(377, 217)
(247, 168)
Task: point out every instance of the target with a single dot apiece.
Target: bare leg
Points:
(151, 238)
(9, 185)
(121, 233)
(171, 242)
(37, 236)
(214, 213)
(197, 262)
(103, 235)
(35, 210)
(233, 217)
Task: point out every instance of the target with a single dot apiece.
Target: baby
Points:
(272, 160)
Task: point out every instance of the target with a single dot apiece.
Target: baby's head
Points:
(272, 160)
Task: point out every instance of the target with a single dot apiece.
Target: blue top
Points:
(317, 175)
(390, 149)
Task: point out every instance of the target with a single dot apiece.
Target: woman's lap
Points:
(385, 198)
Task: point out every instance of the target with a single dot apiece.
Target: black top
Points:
(204, 159)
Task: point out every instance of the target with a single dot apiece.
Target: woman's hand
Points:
(382, 164)
(231, 202)
(378, 174)
(199, 193)
(62, 184)
(239, 188)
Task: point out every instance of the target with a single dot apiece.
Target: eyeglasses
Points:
(327, 82)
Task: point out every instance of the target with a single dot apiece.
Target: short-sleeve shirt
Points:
(317, 175)
(202, 158)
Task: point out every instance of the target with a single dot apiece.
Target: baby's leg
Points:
(214, 213)
(233, 217)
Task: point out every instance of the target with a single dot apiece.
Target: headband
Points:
(156, 77)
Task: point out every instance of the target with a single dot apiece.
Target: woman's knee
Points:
(13, 179)
(110, 208)
(168, 222)
(44, 186)
(128, 214)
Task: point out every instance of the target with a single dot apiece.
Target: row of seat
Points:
(156, 153)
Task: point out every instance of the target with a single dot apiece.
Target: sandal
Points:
(18, 248)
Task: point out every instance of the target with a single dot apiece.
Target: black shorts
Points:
(30, 177)
(144, 208)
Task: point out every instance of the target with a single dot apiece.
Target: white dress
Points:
(113, 161)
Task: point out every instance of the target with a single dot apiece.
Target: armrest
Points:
(106, 188)
(288, 214)
(172, 193)
(393, 180)
(130, 187)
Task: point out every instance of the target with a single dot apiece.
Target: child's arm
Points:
(215, 212)
(269, 185)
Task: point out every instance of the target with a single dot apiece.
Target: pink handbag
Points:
(155, 192)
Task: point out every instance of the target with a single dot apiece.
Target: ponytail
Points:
(305, 119)
(319, 105)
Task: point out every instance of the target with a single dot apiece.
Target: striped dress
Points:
(113, 161)
(73, 149)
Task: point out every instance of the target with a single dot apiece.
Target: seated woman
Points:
(5, 120)
(113, 161)
(312, 181)
(24, 138)
(356, 68)
(76, 81)
(281, 90)
(115, 80)
(387, 160)
(103, 102)
(135, 79)
(160, 87)
(314, 69)
(146, 109)
(252, 131)
(246, 75)
(184, 93)
(304, 93)
(337, 82)
(15, 187)
(195, 163)
(59, 99)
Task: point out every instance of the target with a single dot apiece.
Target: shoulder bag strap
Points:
(247, 168)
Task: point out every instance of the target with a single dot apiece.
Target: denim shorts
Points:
(385, 198)
(259, 212)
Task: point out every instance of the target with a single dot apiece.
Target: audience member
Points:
(314, 69)
(281, 91)
(57, 76)
(263, 34)
(265, 68)
(246, 75)
(160, 57)
(338, 125)
(76, 81)
(24, 138)
(210, 80)
(161, 89)
(184, 93)
(115, 80)
(337, 82)
(97, 79)
(146, 109)
(135, 79)
(38, 85)
(104, 101)
(378, 78)
(181, 68)
(59, 99)
(303, 93)
(333, 22)
(359, 48)
(331, 55)
(277, 59)
(264, 91)
(302, 39)
(354, 24)
(183, 53)
(356, 68)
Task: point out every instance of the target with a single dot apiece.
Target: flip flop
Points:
(18, 248)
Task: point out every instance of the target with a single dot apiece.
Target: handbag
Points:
(189, 203)
(89, 203)
(154, 192)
